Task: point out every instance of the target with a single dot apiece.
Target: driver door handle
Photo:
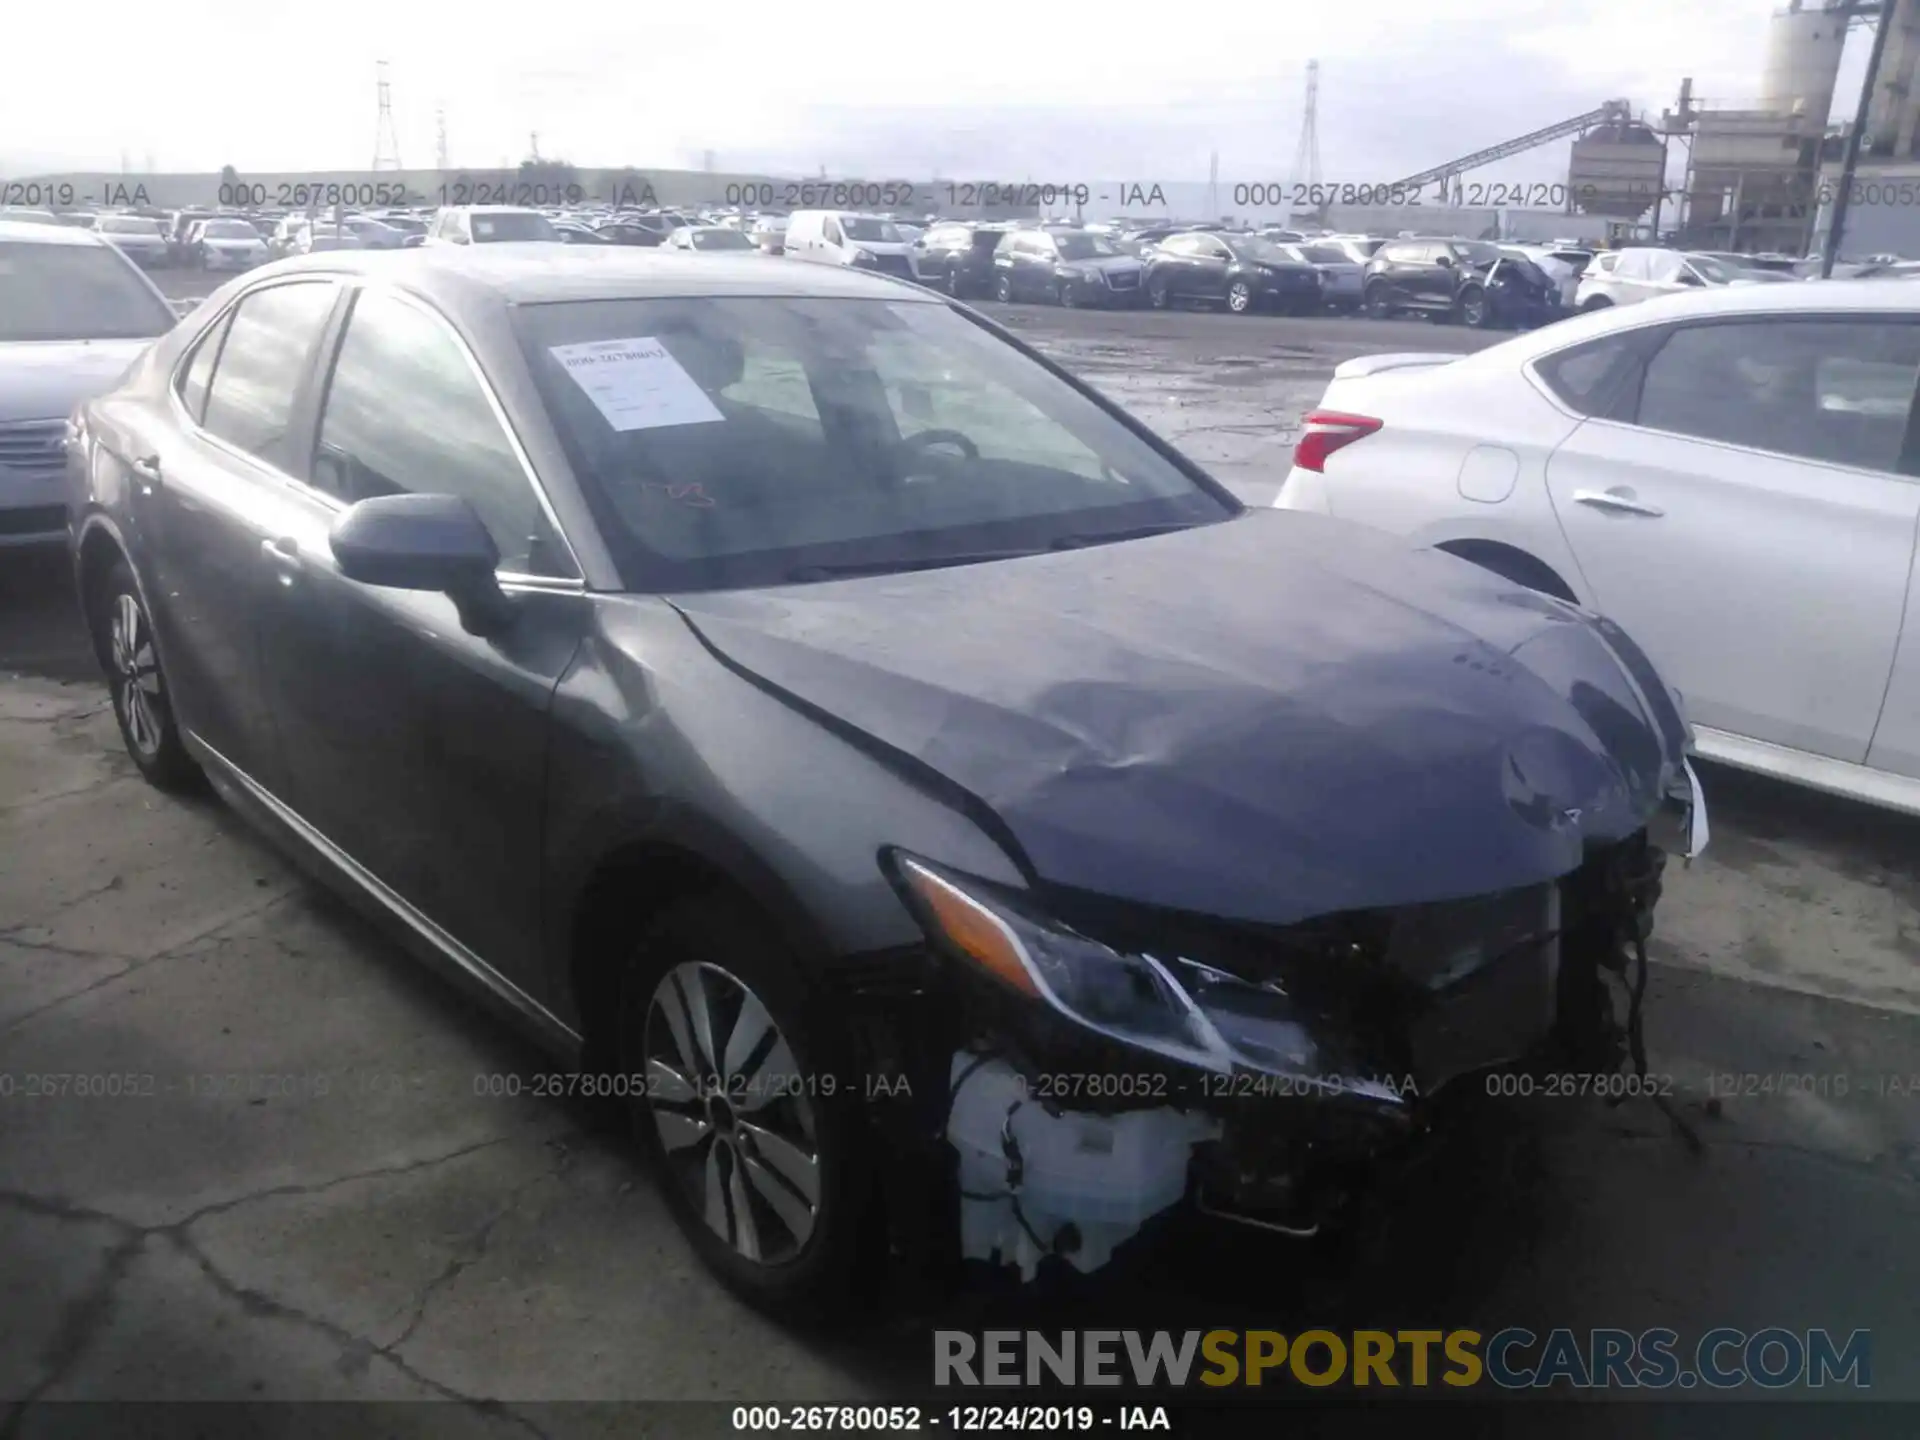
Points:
(1614, 500)
(146, 470)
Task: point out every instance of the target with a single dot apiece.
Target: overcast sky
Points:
(1065, 92)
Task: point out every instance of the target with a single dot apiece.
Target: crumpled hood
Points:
(44, 380)
(1270, 718)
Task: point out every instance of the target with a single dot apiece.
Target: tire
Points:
(1003, 289)
(1473, 309)
(1064, 297)
(792, 1093)
(1376, 302)
(1240, 298)
(136, 679)
(955, 286)
(1598, 302)
(1157, 295)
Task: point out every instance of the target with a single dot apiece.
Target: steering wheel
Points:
(929, 438)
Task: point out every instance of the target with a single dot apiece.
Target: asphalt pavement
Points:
(312, 1191)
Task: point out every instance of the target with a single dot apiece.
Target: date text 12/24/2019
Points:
(959, 1419)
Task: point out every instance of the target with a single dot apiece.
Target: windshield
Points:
(866, 227)
(1716, 272)
(230, 230)
(30, 217)
(737, 442)
(1253, 247)
(513, 225)
(1085, 247)
(128, 225)
(1476, 252)
(722, 240)
(1325, 254)
(75, 292)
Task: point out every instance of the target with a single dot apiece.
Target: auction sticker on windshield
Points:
(635, 383)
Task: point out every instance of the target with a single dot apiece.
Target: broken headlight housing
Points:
(1131, 998)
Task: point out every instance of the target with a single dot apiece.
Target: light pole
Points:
(1882, 25)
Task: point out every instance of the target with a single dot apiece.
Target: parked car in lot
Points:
(957, 256)
(1726, 474)
(74, 314)
(141, 240)
(839, 237)
(1342, 278)
(1561, 264)
(792, 700)
(227, 245)
(488, 225)
(1067, 267)
(572, 232)
(1242, 273)
(1626, 277)
(646, 232)
(1467, 281)
(377, 234)
(712, 240)
(769, 232)
(22, 215)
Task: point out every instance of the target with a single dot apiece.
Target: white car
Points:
(1728, 475)
(712, 240)
(135, 236)
(1625, 277)
(225, 244)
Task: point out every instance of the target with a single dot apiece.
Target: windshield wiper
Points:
(1139, 532)
(887, 567)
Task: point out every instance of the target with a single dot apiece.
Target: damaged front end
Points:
(1105, 1062)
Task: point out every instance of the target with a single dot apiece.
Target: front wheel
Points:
(142, 703)
(1157, 295)
(1378, 303)
(1003, 289)
(1063, 294)
(749, 1110)
(1240, 297)
(1473, 309)
(1598, 302)
(955, 287)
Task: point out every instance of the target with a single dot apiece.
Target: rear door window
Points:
(1836, 391)
(269, 346)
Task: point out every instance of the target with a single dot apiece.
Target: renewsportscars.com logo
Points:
(1514, 1359)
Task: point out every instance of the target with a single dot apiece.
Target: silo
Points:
(1803, 59)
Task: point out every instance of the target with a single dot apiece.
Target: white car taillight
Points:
(1325, 431)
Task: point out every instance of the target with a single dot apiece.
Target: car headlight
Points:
(1130, 998)
(863, 257)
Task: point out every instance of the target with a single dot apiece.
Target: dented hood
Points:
(1264, 719)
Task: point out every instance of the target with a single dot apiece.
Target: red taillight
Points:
(1325, 431)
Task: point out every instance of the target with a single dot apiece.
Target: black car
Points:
(957, 257)
(1244, 273)
(643, 230)
(1467, 281)
(1068, 267)
(825, 723)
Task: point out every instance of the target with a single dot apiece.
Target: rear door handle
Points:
(146, 470)
(1616, 501)
(284, 555)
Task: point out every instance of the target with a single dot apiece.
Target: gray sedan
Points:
(863, 751)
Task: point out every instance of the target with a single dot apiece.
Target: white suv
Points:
(1622, 277)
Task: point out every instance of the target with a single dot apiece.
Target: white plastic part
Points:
(1106, 1175)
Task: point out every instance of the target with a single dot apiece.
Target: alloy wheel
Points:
(733, 1111)
(1473, 308)
(1239, 297)
(136, 676)
(1157, 294)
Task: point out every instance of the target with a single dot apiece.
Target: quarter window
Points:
(1838, 391)
(405, 413)
(1588, 377)
(198, 371)
(269, 343)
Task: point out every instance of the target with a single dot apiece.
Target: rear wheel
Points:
(1472, 308)
(1063, 293)
(748, 1110)
(955, 286)
(142, 703)
(1378, 304)
(1003, 289)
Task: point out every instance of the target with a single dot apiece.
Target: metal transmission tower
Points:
(386, 143)
(1306, 159)
(440, 137)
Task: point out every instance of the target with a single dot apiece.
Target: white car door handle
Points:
(1613, 500)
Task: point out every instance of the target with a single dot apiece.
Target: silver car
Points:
(74, 314)
(1341, 276)
(223, 244)
(139, 239)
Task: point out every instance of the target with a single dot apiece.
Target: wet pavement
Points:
(311, 1191)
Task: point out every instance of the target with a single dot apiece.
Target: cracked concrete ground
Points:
(297, 1187)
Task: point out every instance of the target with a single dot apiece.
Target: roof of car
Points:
(535, 272)
(34, 232)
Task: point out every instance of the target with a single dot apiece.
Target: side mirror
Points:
(1687, 277)
(1444, 260)
(425, 542)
